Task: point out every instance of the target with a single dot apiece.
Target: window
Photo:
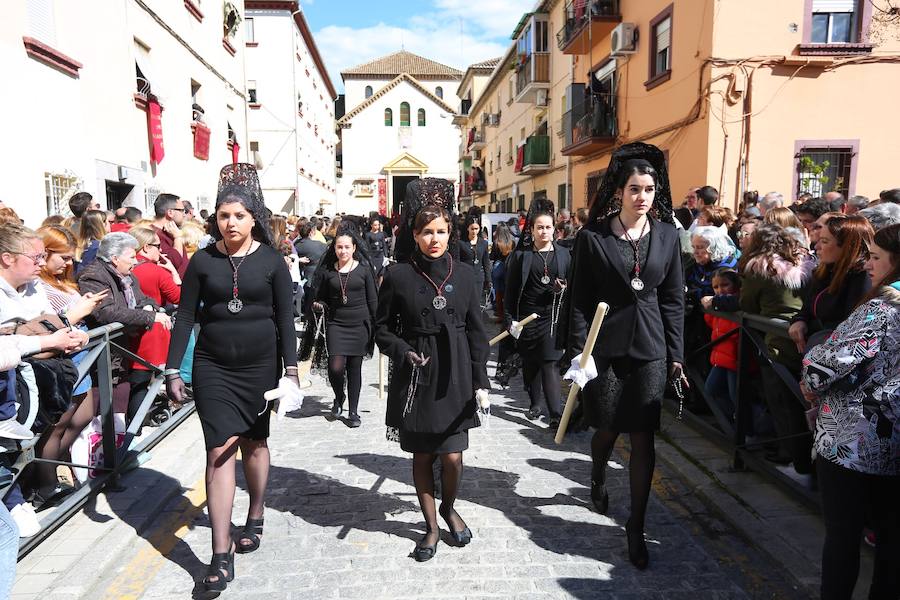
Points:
(388, 117)
(660, 48)
(368, 91)
(249, 31)
(541, 36)
(833, 21)
(439, 92)
(561, 195)
(251, 91)
(404, 114)
(59, 188)
(509, 152)
(196, 108)
(825, 166)
(421, 117)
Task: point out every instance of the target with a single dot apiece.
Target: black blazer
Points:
(518, 265)
(645, 325)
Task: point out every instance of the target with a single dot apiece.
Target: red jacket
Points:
(725, 353)
(156, 283)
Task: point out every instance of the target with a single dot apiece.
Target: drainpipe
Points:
(570, 189)
(296, 117)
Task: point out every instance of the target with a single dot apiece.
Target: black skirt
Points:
(627, 394)
(434, 443)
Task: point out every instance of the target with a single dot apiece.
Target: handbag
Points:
(45, 324)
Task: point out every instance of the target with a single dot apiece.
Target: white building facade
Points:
(397, 128)
(87, 75)
(290, 109)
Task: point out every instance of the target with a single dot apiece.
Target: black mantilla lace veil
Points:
(241, 181)
(421, 193)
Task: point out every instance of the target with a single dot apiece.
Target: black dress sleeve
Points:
(478, 342)
(390, 344)
(513, 285)
(580, 296)
(371, 293)
(485, 263)
(187, 312)
(283, 300)
(671, 305)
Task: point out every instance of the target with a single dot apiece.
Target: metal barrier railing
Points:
(116, 461)
(733, 436)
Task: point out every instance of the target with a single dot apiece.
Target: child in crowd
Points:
(721, 384)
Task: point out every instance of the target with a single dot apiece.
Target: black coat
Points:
(518, 265)
(645, 325)
(454, 338)
(478, 261)
(313, 250)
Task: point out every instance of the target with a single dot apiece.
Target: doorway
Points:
(116, 193)
(398, 191)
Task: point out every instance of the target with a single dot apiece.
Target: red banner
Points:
(382, 196)
(154, 125)
(201, 141)
(235, 152)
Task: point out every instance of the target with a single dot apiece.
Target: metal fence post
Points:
(107, 417)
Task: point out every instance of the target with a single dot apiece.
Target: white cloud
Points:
(452, 32)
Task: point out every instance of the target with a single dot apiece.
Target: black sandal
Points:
(251, 532)
(222, 568)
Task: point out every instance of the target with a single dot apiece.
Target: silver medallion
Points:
(235, 305)
(545, 279)
(636, 284)
(439, 303)
(344, 299)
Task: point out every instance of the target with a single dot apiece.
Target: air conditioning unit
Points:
(542, 98)
(491, 119)
(624, 39)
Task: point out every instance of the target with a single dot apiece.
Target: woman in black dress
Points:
(345, 290)
(628, 256)
(429, 323)
(536, 283)
(473, 251)
(374, 239)
(239, 291)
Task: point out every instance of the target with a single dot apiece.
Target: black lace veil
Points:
(421, 193)
(240, 182)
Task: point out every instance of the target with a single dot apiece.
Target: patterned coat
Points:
(856, 374)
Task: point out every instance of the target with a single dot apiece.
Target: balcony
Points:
(587, 22)
(476, 140)
(590, 127)
(479, 187)
(535, 155)
(532, 74)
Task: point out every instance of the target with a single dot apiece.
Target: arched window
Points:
(439, 92)
(368, 91)
(388, 117)
(421, 117)
(404, 114)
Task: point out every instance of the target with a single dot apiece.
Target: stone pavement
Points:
(342, 518)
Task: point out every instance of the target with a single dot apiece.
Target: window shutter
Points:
(834, 6)
(41, 24)
(663, 34)
(608, 69)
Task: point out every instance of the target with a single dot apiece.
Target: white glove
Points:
(385, 262)
(515, 329)
(481, 399)
(580, 376)
(287, 397)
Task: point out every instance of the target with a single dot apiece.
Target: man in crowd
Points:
(79, 204)
(856, 204)
(890, 196)
(770, 201)
(563, 216)
(126, 218)
(188, 210)
(835, 200)
(690, 201)
(317, 225)
(810, 211)
(581, 218)
(169, 213)
(708, 195)
(309, 252)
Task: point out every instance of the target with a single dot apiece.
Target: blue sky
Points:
(453, 32)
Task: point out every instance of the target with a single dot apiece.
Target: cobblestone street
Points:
(342, 519)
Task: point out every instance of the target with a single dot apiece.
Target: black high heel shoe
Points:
(460, 537)
(222, 568)
(637, 547)
(599, 497)
(424, 553)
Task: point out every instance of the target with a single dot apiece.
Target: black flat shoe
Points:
(599, 497)
(354, 421)
(424, 553)
(460, 537)
(251, 532)
(637, 547)
(534, 414)
(222, 568)
(336, 408)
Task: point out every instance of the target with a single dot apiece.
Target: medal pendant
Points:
(235, 305)
(636, 284)
(545, 279)
(344, 299)
(439, 303)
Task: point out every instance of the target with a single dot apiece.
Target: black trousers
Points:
(849, 499)
(789, 418)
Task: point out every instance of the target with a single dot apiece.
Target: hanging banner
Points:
(154, 126)
(235, 152)
(201, 141)
(382, 196)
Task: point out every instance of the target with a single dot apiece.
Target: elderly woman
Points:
(125, 303)
(712, 250)
(853, 378)
(882, 215)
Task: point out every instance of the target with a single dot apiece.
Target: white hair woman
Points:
(712, 250)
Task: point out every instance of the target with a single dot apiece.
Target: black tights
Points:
(451, 476)
(540, 375)
(352, 366)
(640, 468)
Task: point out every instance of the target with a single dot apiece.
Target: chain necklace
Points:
(344, 283)
(637, 284)
(235, 305)
(439, 302)
(546, 277)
